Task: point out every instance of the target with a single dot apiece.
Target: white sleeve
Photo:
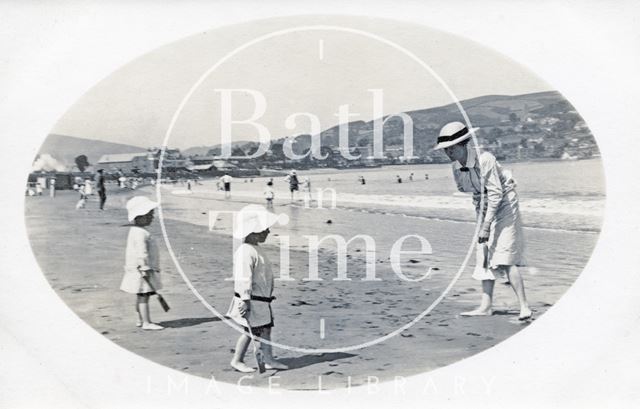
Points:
(244, 262)
(493, 186)
(139, 242)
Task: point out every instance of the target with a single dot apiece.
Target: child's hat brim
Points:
(139, 206)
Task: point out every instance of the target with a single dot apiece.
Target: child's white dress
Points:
(253, 280)
(141, 254)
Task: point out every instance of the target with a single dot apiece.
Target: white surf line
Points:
(321, 328)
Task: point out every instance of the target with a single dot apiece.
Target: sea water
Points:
(559, 195)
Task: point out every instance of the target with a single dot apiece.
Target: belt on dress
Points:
(258, 298)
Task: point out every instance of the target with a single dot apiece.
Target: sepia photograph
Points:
(369, 208)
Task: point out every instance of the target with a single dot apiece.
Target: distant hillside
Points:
(542, 125)
(484, 111)
(197, 150)
(66, 148)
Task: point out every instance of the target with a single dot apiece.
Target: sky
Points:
(292, 75)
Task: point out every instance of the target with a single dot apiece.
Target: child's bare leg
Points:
(143, 311)
(269, 360)
(139, 319)
(237, 362)
(517, 283)
(485, 302)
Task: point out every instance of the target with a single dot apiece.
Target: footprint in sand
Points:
(341, 306)
(473, 334)
(299, 303)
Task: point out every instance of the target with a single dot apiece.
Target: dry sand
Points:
(82, 253)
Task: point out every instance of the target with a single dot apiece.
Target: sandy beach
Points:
(82, 252)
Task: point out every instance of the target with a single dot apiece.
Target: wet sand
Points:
(82, 253)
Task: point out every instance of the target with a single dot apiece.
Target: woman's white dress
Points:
(501, 210)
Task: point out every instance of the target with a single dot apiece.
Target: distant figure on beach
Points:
(102, 190)
(500, 218)
(83, 198)
(226, 183)
(362, 180)
(38, 189)
(306, 189)
(292, 179)
(88, 187)
(269, 194)
(426, 176)
(398, 179)
(52, 187)
(189, 184)
(141, 268)
(253, 286)
(411, 177)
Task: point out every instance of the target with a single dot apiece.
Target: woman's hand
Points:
(244, 307)
(483, 237)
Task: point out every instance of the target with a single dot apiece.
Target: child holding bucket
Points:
(253, 286)
(141, 260)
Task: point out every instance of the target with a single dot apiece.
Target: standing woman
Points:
(501, 225)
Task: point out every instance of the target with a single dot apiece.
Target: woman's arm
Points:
(493, 187)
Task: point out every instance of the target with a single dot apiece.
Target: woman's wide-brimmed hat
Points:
(252, 219)
(139, 206)
(452, 134)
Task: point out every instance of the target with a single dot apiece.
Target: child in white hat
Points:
(141, 260)
(253, 286)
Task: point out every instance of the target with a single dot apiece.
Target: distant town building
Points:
(128, 163)
(208, 165)
(144, 163)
